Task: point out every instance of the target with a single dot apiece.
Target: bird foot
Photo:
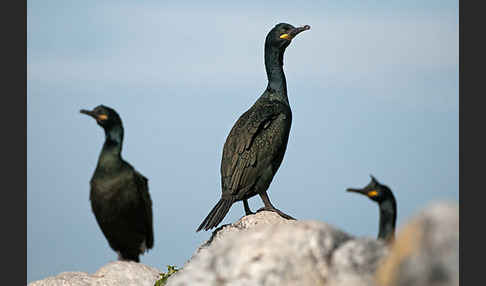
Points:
(282, 214)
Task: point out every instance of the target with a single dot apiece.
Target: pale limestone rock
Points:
(264, 249)
(426, 250)
(355, 262)
(114, 273)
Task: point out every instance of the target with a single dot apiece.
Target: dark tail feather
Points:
(217, 214)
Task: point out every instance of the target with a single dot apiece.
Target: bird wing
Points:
(240, 166)
(142, 186)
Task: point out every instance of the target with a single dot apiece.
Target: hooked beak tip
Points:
(298, 30)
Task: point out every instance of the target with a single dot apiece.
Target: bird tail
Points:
(217, 214)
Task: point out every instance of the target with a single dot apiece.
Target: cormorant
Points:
(119, 195)
(257, 142)
(388, 207)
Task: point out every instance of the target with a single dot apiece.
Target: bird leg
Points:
(269, 207)
(247, 208)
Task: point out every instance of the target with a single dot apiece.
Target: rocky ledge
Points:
(264, 249)
(113, 273)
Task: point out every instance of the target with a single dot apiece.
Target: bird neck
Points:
(277, 84)
(388, 217)
(111, 152)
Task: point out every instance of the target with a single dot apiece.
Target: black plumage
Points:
(119, 195)
(256, 144)
(387, 204)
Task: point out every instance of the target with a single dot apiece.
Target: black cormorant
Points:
(256, 144)
(388, 207)
(119, 195)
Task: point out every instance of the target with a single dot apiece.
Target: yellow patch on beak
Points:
(285, 36)
(102, 117)
(372, 193)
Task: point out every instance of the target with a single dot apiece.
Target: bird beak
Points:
(96, 116)
(360, 191)
(89, 112)
(297, 30)
(290, 35)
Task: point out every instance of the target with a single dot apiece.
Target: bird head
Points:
(105, 116)
(374, 190)
(282, 34)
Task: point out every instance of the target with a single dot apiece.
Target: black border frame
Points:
(471, 141)
(14, 143)
(14, 210)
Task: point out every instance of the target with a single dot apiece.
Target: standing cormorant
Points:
(119, 195)
(256, 144)
(388, 207)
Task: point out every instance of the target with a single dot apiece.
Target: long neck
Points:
(111, 153)
(277, 85)
(388, 216)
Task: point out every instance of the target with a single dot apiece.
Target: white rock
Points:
(113, 273)
(355, 262)
(264, 249)
(426, 250)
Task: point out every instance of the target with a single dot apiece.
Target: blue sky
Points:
(373, 87)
